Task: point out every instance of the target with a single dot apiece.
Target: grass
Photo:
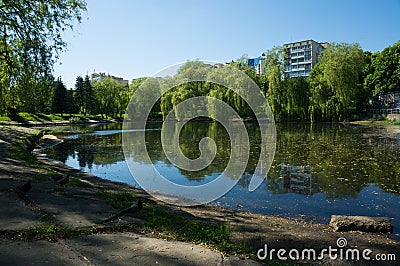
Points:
(52, 232)
(24, 117)
(51, 117)
(76, 182)
(156, 221)
(29, 117)
(118, 200)
(18, 152)
(5, 118)
(170, 225)
(173, 226)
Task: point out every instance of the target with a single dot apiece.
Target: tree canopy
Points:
(30, 42)
(334, 82)
(384, 70)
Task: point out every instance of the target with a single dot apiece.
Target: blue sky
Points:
(131, 38)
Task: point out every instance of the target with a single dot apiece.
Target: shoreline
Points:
(251, 229)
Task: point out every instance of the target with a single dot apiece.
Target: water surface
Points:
(317, 171)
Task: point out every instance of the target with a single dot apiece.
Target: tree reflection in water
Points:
(317, 171)
(340, 159)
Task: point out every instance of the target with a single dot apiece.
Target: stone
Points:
(361, 223)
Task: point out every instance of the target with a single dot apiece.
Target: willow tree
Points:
(30, 41)
(335, 87)
(296, 93)
(240, 83)
(187, 83)
(274, 92)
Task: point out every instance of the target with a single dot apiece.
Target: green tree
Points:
(187, 83)
(275, 94)
(384, 70)
(59, 97)
(136, 83)
(335, 82)
(80, 93)
(296, 93)
(88, 96)
(71, 105)
(30, 41)
(108, 93)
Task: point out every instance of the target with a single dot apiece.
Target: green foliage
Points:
(334, 82)
(295, 104)
(30, 42)
(195, 79)
(84, 96)
(136, 83)
(383, 73)
(111, 97)
(71, 103)
(274, 94)
(59, 98)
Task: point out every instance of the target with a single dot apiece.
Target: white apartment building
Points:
(301, 57)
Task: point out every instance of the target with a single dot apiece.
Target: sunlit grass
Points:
(119, 200)
(76, 182)
(5, 118)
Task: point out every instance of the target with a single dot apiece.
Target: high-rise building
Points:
(301, 57)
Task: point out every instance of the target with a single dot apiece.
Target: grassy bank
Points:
(26, 118)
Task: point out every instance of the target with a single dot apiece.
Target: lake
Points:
(318, 170)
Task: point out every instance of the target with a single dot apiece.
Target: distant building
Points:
(385, 103)
(100, 76)
(301, 57)
(216, 65)
(258, 63)
(219, 65)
